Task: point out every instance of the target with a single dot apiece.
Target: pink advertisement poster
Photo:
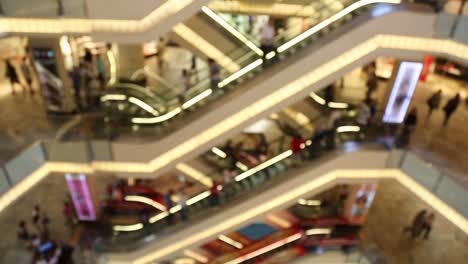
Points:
(81, 196)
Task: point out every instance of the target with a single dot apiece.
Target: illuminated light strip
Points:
(158, 119)
(270, 55)
(206, 47)
(198, 198)
(197, 98)
(219, 152)
(72, 25)
(240, 73)
(344, 129)
(241, 166)
(143, 105)
(113, 97)
(318, 231)
(127, 228)
(112, 67)
(324, 180)
(195, 174)
(195, 256)
(266, 249)
(325, 23)
(338, 105)
(158, 217)
(317, 98)
(175, 209)
(279, 221)
(230, 241)
(427, 45)
(309, 202)
(232, 30)
(272, 9)
(265, 164)
(145, 200)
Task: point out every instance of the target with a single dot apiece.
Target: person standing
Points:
(23, 233)
(297, 143)
(451, 107)
(11, 75)
(25, 69)
(169, 204)
(434, 102)
(372, 84)
(75, 77)
(214, 198)
(184, 84)
(161, 48)
(267, 37)
(408, 126)
(101, 70)
(215, 74)
(182, 200)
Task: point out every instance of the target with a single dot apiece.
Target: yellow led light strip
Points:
(195, 256)
(68, 25)
(145, 200)
(274, 9)
(127, 228)
(427, 45)
(230, 241)
(266, 249)
(336, 177)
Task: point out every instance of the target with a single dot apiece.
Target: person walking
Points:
(25, 69)
(267, 37)
(427, 225)
(451, 107)
(11, 75)
(434, 102)
(416, 226)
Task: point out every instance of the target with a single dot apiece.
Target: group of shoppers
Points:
(39, 233)
(87, 78)
(12, 75)
(434, 103)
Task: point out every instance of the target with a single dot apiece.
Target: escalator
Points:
(276, 184)
(344, 44)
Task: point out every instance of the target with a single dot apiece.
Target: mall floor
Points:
(12, 250)
(393, 209)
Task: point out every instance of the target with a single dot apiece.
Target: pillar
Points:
(129, 58)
